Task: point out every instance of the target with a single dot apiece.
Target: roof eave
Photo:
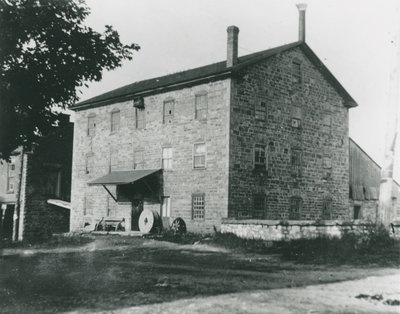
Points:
(184, 83)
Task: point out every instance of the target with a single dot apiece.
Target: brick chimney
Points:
(232, 51)
(302, 21)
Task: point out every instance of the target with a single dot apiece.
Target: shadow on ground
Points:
(113, 273)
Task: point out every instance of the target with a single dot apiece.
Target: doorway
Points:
(357, 212)
(7, 221)
(137, 208)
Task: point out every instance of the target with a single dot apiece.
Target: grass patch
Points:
(54, 241)
(373, 246)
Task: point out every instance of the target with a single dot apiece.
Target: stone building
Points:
(35, 187)
(262, 136)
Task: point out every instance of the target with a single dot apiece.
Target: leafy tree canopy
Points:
(46, 54)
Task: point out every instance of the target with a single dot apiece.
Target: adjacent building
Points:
(364, 184)
(35, 187)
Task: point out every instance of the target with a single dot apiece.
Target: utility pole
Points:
(385, 209)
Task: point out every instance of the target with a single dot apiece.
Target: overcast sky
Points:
(354, 38)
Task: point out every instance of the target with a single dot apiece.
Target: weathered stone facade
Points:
(320, 138)
(276, 138)
(116, 151)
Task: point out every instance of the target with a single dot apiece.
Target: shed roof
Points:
(209, 72)
(123, 177)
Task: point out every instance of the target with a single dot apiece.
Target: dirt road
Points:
(327, 298)
(124, 275)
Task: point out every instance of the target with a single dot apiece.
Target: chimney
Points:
(302, 21)
(232, 51)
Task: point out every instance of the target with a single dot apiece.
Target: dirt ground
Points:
(135, 275)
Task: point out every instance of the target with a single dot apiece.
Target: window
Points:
(296, 66)
(296, 203)
(11, 177)
(87, 205)
(89, 163)
(296, 162)
(327, 165)
(326, 124)
(296, 123)
(168, 111)
(357, 212)
(259, 206)
(166, 206)
(138, 160)
(199, 156)
(296, 117)
(260, 157)
(198, 206)
(115, 120)
(327, 162)
(111, 207)
(261, 111)
(91, 128)
(167, 158)
(201, 106)
(140, 117)
(327, 208)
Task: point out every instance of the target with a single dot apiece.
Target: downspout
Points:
(17, 208)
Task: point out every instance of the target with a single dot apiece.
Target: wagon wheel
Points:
(178, 226)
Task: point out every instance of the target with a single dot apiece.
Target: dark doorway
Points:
(137, 208)
(357, 212)
(7, 222)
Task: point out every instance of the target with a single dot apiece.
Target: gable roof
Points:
(211, 72)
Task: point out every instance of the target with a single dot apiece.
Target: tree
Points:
(46, 55)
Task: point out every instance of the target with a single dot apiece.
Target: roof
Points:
(123, 177)
(207, 73)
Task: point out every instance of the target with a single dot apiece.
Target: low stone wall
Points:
(274, 230)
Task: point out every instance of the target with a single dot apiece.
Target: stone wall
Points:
(116, 151)
(321, 141)
(272, 230)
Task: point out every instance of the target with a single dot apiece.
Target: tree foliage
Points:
(46, 54)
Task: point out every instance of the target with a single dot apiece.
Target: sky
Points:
(356, 39)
